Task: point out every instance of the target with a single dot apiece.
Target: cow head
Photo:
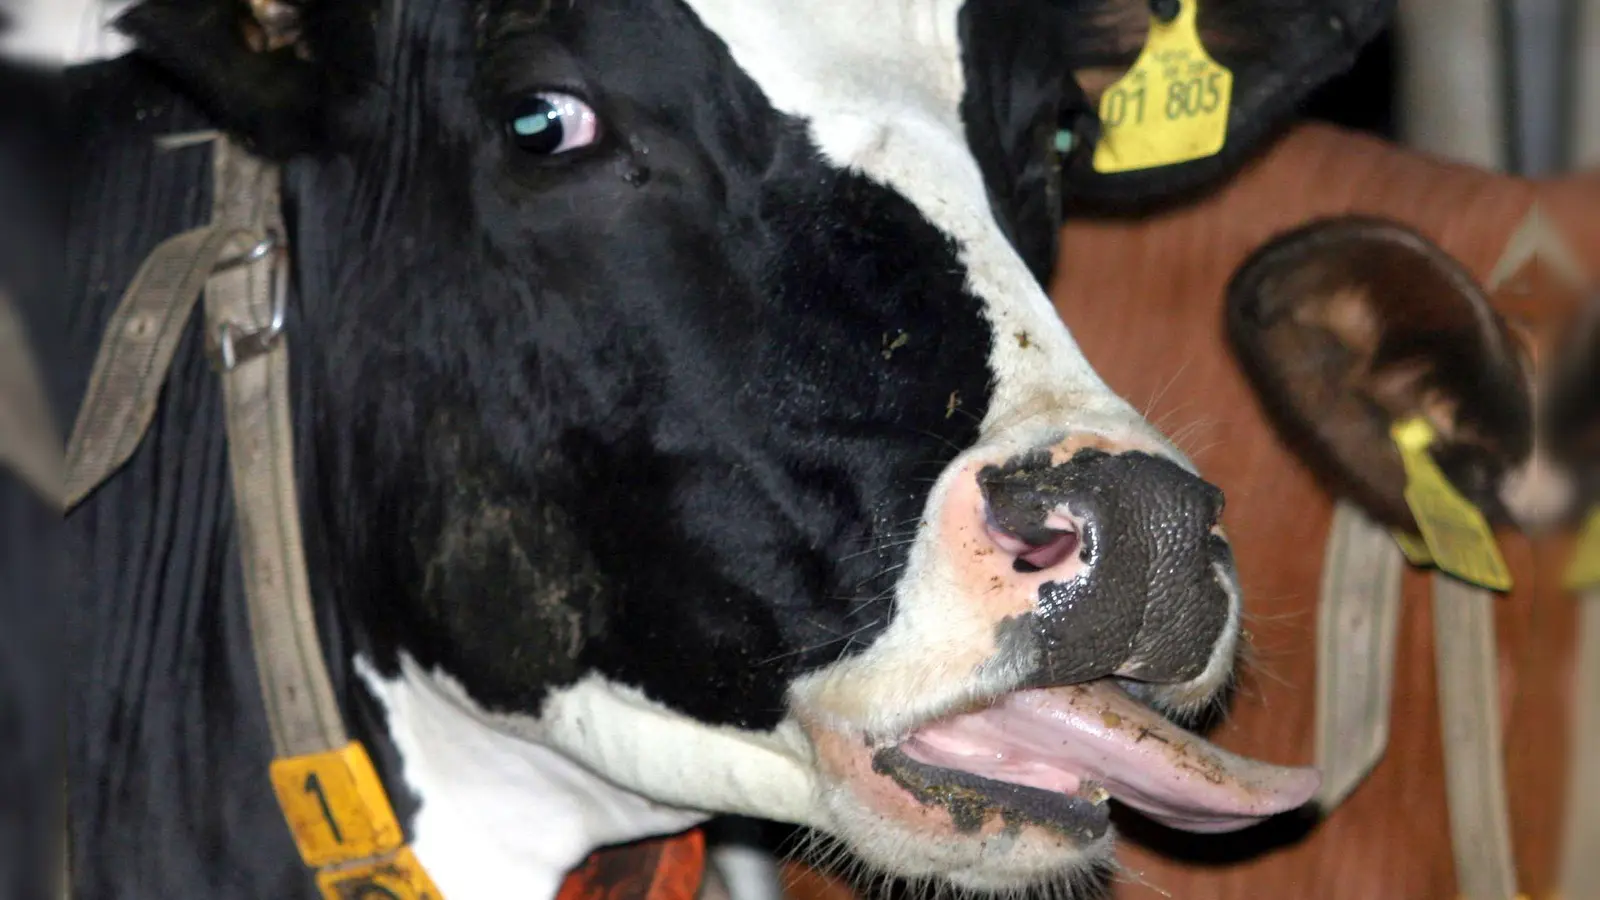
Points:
(686, 400)
(1348, 325)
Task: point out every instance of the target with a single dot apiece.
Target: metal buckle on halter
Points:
(232, 344)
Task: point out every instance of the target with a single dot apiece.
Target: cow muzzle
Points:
(1129, 563)
(1063, 603)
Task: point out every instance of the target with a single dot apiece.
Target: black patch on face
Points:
(684, 376)
(971, 800)
(1150, 600)
(478, 538)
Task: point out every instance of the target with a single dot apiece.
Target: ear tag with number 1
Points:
(1455, 531)
(1171, 107)
(1585, 571)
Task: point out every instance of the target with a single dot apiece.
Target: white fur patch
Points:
(499, 812)
(64, 32)
(1538, 492)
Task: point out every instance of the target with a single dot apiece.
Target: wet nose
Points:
(1143, 563)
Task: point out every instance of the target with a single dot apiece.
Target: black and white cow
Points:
(683, 430)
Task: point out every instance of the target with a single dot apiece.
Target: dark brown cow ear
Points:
(1349, 325)
(269, 72)
(1572, 411)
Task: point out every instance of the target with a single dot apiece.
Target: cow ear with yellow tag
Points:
(1381, 361)
(1185, 89)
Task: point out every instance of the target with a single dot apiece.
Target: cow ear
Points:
(1346, 326)
(1572, 411)
(1278, 50)
(266, 71)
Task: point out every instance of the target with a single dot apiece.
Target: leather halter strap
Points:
(1468, 665)
(243, 300)
(1355, 666)
(1357, 628)
(1580, 868)
(1358, 622)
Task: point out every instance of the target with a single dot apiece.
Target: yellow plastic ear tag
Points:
(336, 806)
(1585, 571)
(1171, 107)
(1413, 548)
(396, 876)
(1457, 535)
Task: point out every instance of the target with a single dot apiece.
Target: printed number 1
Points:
(1117, 103)
(314, 786)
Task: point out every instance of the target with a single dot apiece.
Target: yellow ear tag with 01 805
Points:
(1585, 571)
(1455, 531)
(1171, 107)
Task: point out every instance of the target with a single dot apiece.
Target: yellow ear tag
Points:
(395, 876)
(335, 806)
(1456, 533)
(1413, 548)
(344, 827)
(1171, 107)
(1585, 571)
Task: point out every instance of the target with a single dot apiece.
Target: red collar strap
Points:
(669, 868)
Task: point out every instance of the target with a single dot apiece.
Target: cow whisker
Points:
(1156, 397)
(876, 548)
(1122, 873)
(821, 644)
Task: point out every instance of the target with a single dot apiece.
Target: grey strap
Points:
(134, 357)
(1580, 867)
(1474, 763)
(1358, 621)
(29, 442)
(302, 712)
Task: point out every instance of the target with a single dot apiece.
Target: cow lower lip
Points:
(1078, 744)
(971, 799)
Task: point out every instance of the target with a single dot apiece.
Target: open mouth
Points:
(1055, 757)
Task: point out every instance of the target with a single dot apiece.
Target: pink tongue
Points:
(1059, 739)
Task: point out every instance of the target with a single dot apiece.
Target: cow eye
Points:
(549, 123)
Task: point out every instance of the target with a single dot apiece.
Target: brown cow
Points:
(1156, 293)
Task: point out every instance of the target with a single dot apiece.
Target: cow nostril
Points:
(1041, 548)
(1056, 551)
